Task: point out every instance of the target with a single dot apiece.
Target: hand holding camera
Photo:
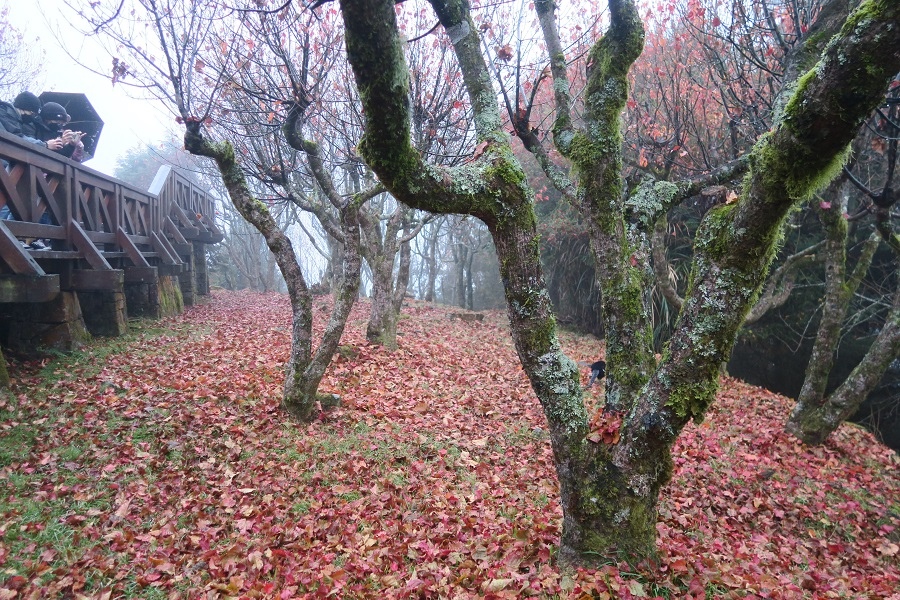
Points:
(72, 137)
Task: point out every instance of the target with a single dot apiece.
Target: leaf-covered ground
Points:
(159, 466)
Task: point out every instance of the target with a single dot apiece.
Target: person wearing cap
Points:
(20, 119)
(52, 126)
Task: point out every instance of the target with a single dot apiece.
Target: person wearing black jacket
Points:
(21, 119)
(52, 126)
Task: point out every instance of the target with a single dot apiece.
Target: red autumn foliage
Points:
(165, 469)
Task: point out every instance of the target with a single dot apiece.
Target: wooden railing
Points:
(96, 225)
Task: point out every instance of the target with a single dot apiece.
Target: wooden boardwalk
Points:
(103, 232)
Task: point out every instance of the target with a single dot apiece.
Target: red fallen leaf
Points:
(16, 582)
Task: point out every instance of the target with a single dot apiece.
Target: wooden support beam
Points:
(84, 244)
(110, 280)
(134, 254)
(184, 249)
(141, 274)
(167, 257)
(214, 232)
(170, 248)
(171, 269)
(172, 229)
(36, 230)
(28, 288)
(186, 226)
(15, 256)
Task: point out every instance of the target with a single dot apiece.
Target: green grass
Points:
(44, 520)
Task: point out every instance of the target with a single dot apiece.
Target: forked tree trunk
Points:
(382, 326)
(610, 488)
(811, 420)
(815, 417)
(304, 371)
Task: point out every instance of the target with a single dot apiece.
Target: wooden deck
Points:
(102, 230)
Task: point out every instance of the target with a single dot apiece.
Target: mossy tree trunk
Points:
(387, 251)
(815, 417)
(382, 326)
(304, 371)
(811, 421)
(609, 492)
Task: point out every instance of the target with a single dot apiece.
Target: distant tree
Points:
(21, 58)
(139, 165)
(194, 56)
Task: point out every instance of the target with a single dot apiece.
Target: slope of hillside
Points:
(159, 466)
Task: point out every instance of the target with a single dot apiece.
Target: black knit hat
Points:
(28, 101)
(54, 112)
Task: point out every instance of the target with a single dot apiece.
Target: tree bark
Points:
(596, 154)
(816, 415)
(304, 371)
(609, 490)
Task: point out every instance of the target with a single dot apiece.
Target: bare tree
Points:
(188, 54)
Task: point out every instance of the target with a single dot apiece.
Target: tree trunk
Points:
(382, 326)
(459, 259)
(470, 287)
(816, 416)
(609, 488)
(432, 264)
(303, 373)
(402, 275)
(839, 291)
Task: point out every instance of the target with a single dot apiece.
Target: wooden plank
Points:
(90, 279)
(28, 288)
(100, 237)
(45, 255)
(36, 230)
(129, 247)
(170, 248)
(172, 229)
(87, 215)
(8, 188)
(128, 224)
(141, 274)
(211, 237)
(49, 198)
(84, 244)
(14, 255)
(166, 256)
(103, 199)
(186, 249)
(185, 225)
(172, 270)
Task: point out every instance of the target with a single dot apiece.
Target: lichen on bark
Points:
(609, 493)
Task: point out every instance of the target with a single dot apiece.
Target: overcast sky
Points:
(128, 122)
